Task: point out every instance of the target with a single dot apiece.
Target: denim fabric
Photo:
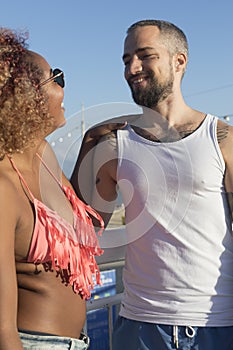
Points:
(50, 342)
(135, 335)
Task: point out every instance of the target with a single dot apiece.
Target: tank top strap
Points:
(49, 170)
(21, 178)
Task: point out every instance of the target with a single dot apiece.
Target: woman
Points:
(47, 240)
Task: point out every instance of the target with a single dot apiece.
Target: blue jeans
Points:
(135, 335)
(37, 341)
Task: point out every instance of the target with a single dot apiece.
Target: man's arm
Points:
(82, 176)
(225, 139)
(104, 191)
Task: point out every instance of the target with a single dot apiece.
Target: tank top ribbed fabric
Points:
(179, 256)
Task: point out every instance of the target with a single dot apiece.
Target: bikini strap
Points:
(21, 177)
(49, 170)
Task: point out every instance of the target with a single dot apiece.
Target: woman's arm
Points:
(9, 213)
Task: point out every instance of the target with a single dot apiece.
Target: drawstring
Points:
(175, 336)
(189, 331)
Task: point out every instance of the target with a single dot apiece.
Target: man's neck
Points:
(171, 127)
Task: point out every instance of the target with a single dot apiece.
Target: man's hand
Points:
(96, 132)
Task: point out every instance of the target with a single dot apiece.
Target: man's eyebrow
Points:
(138, 51)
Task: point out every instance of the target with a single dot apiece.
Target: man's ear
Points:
(180, 61)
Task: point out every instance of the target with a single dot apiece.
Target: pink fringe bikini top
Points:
(71, 250)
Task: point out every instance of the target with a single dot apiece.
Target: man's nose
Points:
(135, 66)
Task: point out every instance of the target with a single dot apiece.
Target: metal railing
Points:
(106, 303)
(113, 258)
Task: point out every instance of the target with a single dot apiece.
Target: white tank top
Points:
(179, 257)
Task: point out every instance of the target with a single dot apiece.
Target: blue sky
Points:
(85, 39)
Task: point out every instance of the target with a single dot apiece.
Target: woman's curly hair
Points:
(23, 105)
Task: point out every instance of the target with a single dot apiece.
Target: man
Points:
(174, 168)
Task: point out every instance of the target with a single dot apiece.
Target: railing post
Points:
(108, 303)
(110, 325)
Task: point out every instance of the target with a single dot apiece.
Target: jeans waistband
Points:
(82, 337)
(37, 333)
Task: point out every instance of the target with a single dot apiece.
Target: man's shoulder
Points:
(225, 139)
(106, 130)
(119, 119)
(224, 131)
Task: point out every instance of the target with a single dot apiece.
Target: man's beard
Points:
(154, 93)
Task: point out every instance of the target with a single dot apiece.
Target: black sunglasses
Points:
(57, 76)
